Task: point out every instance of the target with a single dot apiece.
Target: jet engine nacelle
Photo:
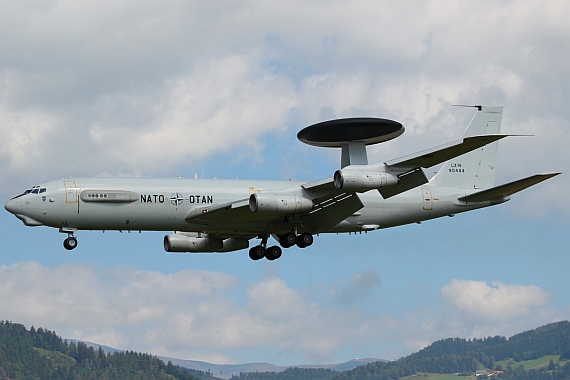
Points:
(360, 180)
(278, 203)
(186, 243)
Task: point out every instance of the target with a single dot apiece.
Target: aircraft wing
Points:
(332, 211)
(430, 157)
(321, 190)
(220, 217)
(506, 189)
(324, 191)
(409, 168)
(221, 212)
(330, 208)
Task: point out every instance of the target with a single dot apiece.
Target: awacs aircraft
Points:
(224, 215)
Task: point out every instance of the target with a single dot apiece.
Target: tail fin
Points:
(476, 169)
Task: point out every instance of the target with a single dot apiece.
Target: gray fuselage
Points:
(162, 205)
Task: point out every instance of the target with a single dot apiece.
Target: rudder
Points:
(476, 169)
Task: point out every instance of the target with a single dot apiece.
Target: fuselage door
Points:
(427, 199)
(71, 194)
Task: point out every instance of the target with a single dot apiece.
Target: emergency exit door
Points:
(427, 199)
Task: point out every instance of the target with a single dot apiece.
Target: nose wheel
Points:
(70, 243)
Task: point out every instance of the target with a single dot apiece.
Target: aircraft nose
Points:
(14, 206)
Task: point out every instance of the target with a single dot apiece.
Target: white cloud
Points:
(188, 314)
(125, 89)
(194, 314)
(476, 309)
(226, 103)
(137, 88)
(495, 302)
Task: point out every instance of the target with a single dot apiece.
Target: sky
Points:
(220, 89)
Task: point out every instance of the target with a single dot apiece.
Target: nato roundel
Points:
(334, 133)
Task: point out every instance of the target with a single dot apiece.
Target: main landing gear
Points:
(259, 252)
(302, 240)
(273, 253)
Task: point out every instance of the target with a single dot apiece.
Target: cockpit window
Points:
(33, 190)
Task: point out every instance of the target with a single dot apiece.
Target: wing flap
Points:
(507, 189)
(331, 212)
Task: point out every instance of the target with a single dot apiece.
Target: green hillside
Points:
(42, 355)
(542, 353)
(539, 354)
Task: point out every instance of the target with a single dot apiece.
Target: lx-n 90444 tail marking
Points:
(224, 215)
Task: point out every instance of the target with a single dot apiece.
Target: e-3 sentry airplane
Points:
(223, 215)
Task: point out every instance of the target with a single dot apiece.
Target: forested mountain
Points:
(463, 356)
(289, 374)
(460, 356)
(550, 339)
(40, 354)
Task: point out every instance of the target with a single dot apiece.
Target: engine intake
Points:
(187, 242)
(260, 202)
(359, 180)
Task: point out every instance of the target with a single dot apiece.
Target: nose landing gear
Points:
(71, 241)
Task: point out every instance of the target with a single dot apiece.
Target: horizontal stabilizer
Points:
(442, 153)
(507, 189)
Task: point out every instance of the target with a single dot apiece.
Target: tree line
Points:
(42, 355)
(462, 356)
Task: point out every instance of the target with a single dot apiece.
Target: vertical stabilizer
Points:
(476, 169)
